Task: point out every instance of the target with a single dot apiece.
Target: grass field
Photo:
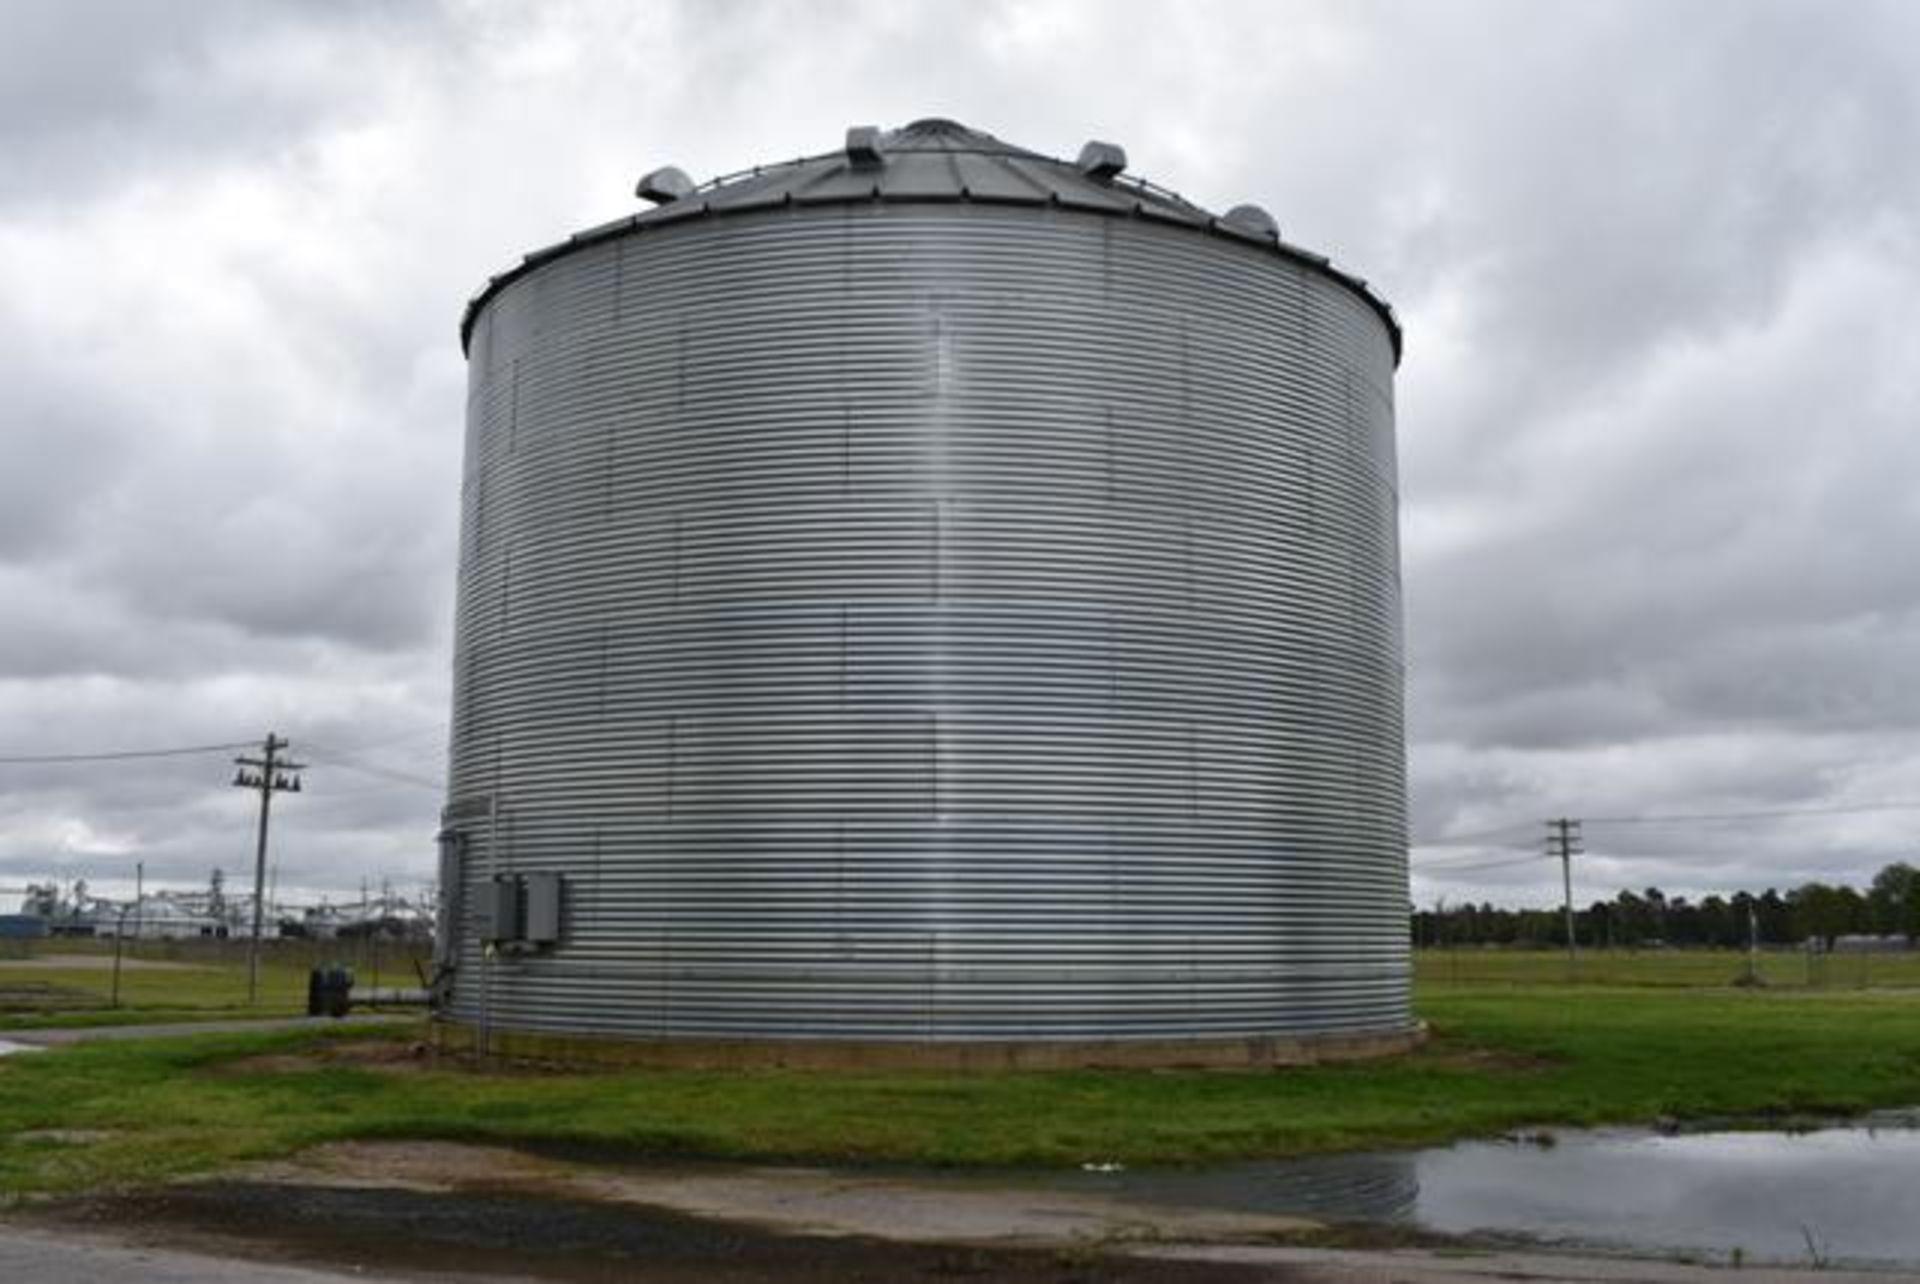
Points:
(71, 982)
(1789, 969)
(51, 982)
(1508, 1054)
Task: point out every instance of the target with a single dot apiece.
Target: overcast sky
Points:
(1657, 263)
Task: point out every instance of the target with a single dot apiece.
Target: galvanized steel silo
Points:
(930, 600)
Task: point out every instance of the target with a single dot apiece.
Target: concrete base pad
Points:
(1253, 1053)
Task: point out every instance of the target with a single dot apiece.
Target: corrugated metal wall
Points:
(941, 621)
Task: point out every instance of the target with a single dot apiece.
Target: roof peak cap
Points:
(935, 125)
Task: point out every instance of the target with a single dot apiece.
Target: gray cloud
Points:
(125, 91)
(1656, 267)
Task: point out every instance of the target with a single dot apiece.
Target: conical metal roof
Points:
(933, 160)
(928, 160)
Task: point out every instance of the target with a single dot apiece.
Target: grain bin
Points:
(928, 603)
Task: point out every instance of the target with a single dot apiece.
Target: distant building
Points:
(169, 916)
(22, 927)
(389, 917)
(1863, 943)
(58, 914)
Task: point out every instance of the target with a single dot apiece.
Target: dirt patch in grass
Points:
(408, 1165)
(391, 1056)
(779, 1199)
(63, 1136)
(1488, 1060)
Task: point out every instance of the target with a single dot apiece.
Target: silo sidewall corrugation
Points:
(933, 622)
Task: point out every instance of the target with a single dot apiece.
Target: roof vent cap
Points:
(1101, 161)
(1252, 220)
(863, 147)
(663, 186)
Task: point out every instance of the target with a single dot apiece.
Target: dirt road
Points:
(405, 1211)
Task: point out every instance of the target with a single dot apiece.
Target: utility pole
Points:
(119, 941)
(269, 774)
(1563, 840)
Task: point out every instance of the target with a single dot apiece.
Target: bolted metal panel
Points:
(945, 620)
(501, 903)
(543, 893)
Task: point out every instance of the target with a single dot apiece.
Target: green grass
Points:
(211, 977)
(1443, 969)
(200, 979)
(68, 1019)
(1502, 1058)
(45, 991)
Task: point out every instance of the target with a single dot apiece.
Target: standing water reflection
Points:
(1840, 1195)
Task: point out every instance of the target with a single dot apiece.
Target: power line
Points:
(1502, 863)
(1772, 814)
(381, 773)
(1477, 855)
(372, 789)
(1476, 850)
(1464, 840)
(1678, 818)
(121, 755)
(320, 753)
(419, 732)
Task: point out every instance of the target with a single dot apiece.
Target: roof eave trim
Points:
(641, 223)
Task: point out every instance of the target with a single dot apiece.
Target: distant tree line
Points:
(1813, 912)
